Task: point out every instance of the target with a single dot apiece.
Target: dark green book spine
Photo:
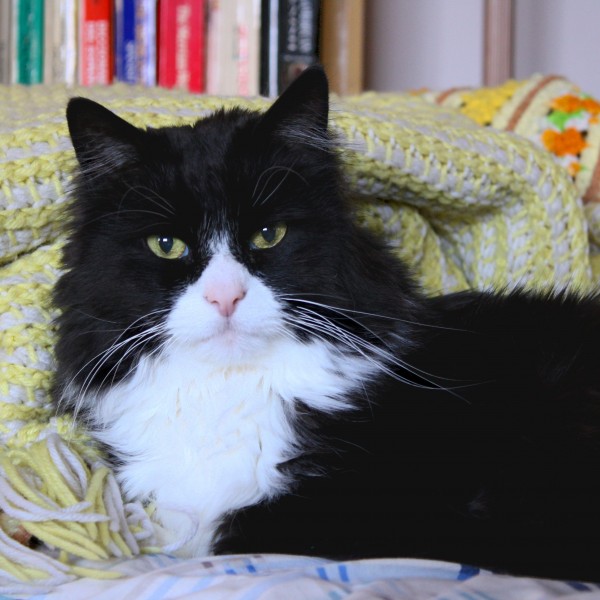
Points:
(30, 41)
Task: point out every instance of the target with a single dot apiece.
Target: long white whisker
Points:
(99, 359)
(311, 319)
(103, 359)
(367, 314)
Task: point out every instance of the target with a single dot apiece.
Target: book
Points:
(95, 42)
(145, 41)
(181, 44)
(248, 41)
(5, 41)
(298, 39)
(269, 47)
(60, 41)
(28, 43)
(341, 47)
(125, 41)
(222, 47)
(289, 42)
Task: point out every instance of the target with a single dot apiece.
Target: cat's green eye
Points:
(268, 236)
(167, 246)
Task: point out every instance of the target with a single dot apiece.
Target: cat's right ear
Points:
(101, 139)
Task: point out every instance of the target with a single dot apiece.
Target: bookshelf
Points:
(220, 47)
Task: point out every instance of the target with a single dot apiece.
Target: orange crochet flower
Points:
(591, 106)
(561, 143)
(568, 103)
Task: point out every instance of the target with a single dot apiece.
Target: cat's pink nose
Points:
(225, 298)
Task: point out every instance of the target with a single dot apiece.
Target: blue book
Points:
(145, 15)
(125, 42)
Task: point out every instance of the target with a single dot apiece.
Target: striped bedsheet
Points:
(271, 577)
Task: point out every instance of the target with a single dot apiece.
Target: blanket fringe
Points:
(74, 510)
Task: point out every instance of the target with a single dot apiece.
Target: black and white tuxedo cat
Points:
(269, 376)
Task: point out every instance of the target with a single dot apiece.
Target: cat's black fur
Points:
(482, 446)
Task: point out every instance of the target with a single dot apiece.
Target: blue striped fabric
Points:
(264, 577)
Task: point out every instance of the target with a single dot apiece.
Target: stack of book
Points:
(229, 47)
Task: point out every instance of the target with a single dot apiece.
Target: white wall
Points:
(559, 37)
(439, 43)
(423, 43)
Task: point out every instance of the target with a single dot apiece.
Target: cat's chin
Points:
(231, 347)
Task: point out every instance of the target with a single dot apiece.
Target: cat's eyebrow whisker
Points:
(160, 224)
(257, 199)
(138, 211)
(273, 170)
(158, 200)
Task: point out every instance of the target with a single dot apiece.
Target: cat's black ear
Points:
(101, 139)
(303, 108)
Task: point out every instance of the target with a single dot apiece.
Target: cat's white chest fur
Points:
(202, 425)
(200, 442)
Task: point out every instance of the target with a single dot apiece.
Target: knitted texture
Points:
(556, 115)
(464, 205)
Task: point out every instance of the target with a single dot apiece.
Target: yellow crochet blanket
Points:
(465, 205)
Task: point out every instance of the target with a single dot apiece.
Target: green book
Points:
(29, 41)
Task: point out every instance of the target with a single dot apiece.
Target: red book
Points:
(181, 44)
(95, 42)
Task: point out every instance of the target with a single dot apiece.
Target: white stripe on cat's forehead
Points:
(219, 245)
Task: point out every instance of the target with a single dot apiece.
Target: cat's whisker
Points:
(158, 200)
(94, 317)
(101, 359)
(296, 299)
(258, 201)
(111, 215)
(153, 333)
(362, 348)
(343, 312)
(379, 356)
(273, 171)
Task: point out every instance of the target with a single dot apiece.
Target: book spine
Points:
(95, 44)
(125, 41)
(50, 39)
(269, 47)
(222, 48)
(181, 44)
(5, 41)
(145, 38)
(298, 39)
(248, 35)
(60, 37)
(69, 19)
(166, 43)
(196, 46)
(29, 41)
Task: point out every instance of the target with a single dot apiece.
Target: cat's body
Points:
(268, 375)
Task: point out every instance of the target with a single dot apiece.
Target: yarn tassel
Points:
(74, 510)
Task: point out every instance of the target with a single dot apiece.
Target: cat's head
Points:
(223, 236)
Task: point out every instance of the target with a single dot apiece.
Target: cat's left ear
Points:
(101, 139)
(302, 110)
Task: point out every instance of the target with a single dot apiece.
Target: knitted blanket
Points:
(465, 205)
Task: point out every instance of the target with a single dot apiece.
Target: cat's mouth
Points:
(232, 341)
